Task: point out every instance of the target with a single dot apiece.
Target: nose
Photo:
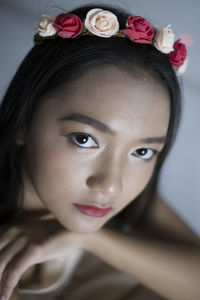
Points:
(106, 179)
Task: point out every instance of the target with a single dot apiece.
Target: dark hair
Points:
(57, 61)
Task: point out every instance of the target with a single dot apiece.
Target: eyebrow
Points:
(105, 128)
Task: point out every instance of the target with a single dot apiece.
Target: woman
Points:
(86, 124)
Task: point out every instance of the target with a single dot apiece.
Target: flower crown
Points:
(104, 23)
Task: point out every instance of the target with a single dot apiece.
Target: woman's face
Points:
(94, 143)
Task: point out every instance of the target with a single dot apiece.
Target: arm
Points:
(171, 270)
(28, 241)
(53, 234)
(164, 254)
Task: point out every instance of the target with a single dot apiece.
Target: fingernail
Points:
(2, 298)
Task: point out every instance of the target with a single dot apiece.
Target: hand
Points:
(30, 240)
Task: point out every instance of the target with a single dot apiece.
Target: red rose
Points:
(68, 25)
(178, 56)
(139, 30)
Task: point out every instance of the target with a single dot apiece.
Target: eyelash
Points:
(75, 134)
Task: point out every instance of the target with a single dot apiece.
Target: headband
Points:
(104, 24)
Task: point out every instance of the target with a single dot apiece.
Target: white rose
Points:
(45, 26)
(101, 22)
(164, 40)
(181, 69)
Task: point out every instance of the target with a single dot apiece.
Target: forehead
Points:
(118, 98)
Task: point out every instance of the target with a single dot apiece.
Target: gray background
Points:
(180, 178)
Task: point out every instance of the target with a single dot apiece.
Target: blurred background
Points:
(180, 178)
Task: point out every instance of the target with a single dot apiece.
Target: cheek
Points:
(137, 179)
(54, 166)
(54, 163)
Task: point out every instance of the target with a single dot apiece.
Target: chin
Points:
(82, 228)
(81, 224)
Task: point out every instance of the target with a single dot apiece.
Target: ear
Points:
(20, 139)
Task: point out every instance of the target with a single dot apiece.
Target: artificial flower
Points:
(45, 26)
(68, 25)
(101, 22)
(178, 56)
(164, 40)
(139, 30)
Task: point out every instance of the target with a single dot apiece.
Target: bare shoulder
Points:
(166, 223)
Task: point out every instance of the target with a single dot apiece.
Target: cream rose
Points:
(164, 40)
(101, 22)
(45, 26)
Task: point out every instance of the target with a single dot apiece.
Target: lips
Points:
(93, 211)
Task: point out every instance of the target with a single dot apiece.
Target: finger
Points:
(8, 235)
(10, 250)
(15, 269)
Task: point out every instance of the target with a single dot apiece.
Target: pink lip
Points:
(92, 211)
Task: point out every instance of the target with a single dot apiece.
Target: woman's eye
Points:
(83, 140)
(145, 153)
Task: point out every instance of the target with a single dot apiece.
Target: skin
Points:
(58, 173)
